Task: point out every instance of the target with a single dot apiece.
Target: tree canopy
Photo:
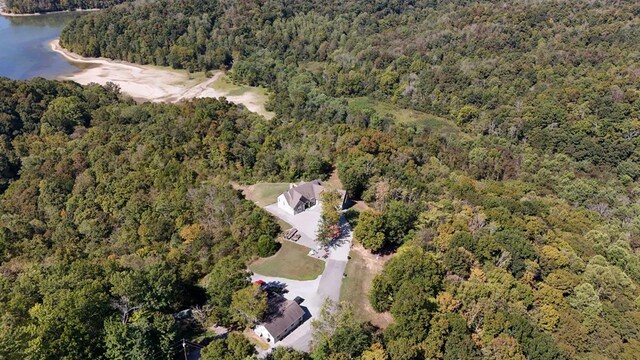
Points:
(493, 146)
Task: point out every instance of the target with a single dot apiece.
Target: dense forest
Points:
(559, 76)
(515, 233)
(110, 220)
(40, 6)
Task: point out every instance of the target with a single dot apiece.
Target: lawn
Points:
(405, 116)
(290, 262)
(361, 269)
(263, 194)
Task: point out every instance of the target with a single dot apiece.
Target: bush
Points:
(267, 246)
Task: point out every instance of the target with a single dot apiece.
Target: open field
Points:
(224, 83)
(263, 194)
(361, 269)
(290, 262)
(406, 116)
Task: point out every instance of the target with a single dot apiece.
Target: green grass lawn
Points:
(405, 116)
(290, 262)
(263, 194)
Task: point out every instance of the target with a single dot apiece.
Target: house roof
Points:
(282, 314)
(305, 192)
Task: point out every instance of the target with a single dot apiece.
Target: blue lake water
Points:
(24, 49)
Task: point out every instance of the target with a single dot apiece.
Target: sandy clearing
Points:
(149, 83)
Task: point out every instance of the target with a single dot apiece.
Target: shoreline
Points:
(155, 84)
(8, 14)
(76, 58)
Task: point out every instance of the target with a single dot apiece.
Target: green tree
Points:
(64, 113)
(329, 227)
(354, 175)
(586, 300)
(458, 261)
(459, 344)
(412, 264)
(155, 288)
(338, 333)
(234, 347)
(467, 114)
(69, 321)
(267, 246)
(147, 333)
(284, 353)
(375, 352)
(249, 304)
(228, 276)
(370, 230)
(399, 218)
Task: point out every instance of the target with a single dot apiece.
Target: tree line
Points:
(35, 7)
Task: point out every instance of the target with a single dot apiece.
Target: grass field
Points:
(223, 83)
(290, 262)
(263, 194)
(405, 116)
(361, 269)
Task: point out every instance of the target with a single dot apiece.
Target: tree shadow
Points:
(345, 232)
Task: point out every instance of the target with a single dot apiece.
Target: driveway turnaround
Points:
(314, 292)
(306, 222)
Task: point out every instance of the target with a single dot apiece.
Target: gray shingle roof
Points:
(282, 314)
(303, 193)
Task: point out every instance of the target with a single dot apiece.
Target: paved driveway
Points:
(327, 285)
(306, 222)
(300, 338)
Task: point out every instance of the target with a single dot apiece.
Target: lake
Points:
(24, 49)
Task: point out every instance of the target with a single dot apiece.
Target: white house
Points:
(283, 317)
(302, 197)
